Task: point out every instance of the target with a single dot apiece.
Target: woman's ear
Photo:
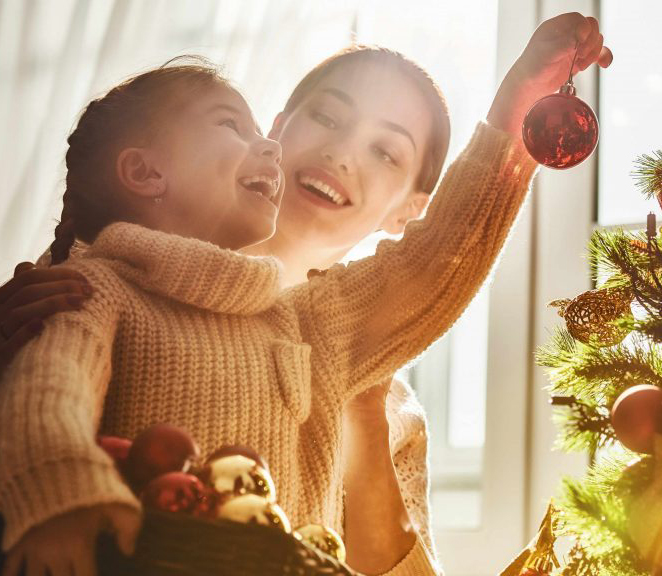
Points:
(277, 126)
(412, 208)
(138, 173)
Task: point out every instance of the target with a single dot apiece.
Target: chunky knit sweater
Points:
(182, 331)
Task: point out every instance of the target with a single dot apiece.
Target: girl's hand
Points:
(544, 66)
(66, 544)
(32, 295)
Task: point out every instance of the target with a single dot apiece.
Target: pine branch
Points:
(648, 174)
(583, 427)
(597, 376)
(598, 522)
(626, 259)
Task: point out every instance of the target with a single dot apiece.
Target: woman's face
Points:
(352, 152)
(221, 176)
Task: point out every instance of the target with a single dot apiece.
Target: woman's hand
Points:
(66, 544)
(369, 407)
(372, 493)
(544, 66)
(32, 295)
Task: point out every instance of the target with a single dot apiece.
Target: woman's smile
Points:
(322, 188)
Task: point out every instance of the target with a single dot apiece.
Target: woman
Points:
(363, 148)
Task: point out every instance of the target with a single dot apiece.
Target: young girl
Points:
(418, 139)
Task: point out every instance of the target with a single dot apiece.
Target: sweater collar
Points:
(189, 270)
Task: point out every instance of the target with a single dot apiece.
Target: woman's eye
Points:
(384, 155)
(230, 123)
(324, 120)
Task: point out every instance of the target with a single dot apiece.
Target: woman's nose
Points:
(338, 158)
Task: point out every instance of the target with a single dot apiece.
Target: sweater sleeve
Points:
(51, 400)
(367, 319)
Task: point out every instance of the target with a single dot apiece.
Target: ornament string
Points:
(574, 58)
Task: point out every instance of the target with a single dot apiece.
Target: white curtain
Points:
(55, 55)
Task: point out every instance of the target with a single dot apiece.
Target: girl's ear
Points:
(138, 173)
(277, 126)
(412, 208)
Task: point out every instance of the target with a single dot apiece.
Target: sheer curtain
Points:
(55, 56)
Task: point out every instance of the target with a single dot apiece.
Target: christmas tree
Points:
(605, 372)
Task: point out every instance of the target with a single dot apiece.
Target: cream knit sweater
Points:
(182, 331)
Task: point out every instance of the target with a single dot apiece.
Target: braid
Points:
(65, 233)
(130, 111)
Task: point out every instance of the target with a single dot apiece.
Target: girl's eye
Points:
(324, 120)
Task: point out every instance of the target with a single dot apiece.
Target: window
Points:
(630, 96)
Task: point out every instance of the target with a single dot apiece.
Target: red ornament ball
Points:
(180, 492)
(560, 130)
(637, 417)
(534, 572)
(157, 450)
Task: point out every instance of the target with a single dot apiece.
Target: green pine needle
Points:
(648, 174)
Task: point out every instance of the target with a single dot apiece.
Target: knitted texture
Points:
(179, 330)
(408, 438)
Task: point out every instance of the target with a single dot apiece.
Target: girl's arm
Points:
(51, 400)
(367, 319)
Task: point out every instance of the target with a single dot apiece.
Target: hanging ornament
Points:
(637, 416)
(560, 130)
(324, 539)
(589, 317)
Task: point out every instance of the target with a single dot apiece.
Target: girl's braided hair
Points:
(129, 113)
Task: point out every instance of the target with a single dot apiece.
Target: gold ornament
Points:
(538, 558)
(324, 539)
(590, 315)
(238, 475)
(251, 508)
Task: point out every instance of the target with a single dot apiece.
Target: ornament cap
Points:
(568, 88)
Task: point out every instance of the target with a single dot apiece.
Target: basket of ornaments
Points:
(214, 517)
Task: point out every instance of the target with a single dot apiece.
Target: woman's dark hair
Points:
(129, 113)
(437, 147)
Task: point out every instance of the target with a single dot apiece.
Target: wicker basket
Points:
(178, 545)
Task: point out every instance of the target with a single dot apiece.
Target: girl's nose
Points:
(270, 149)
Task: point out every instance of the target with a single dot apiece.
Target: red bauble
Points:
(157, 450)
(637, 417)
(533, 572)
(560, 130)
(116, 447)
(180, 492)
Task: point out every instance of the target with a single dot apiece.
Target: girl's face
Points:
(352, 152)
(221, 178)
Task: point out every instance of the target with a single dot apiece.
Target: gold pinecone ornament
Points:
(589, 317)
